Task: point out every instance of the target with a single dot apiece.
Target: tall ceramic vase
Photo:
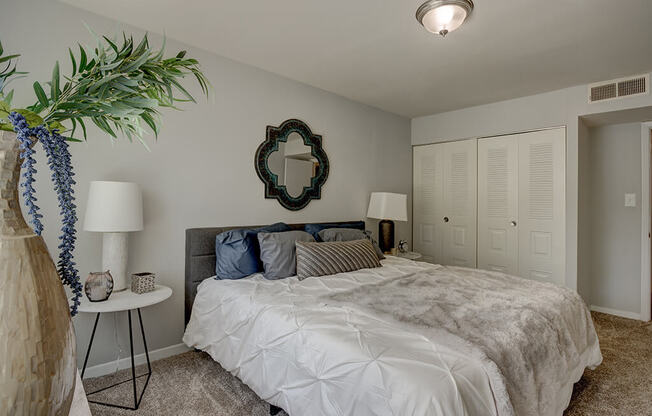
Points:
(37, 340)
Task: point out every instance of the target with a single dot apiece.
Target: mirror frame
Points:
(272, 189)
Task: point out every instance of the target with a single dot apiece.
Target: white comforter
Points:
(295, 351)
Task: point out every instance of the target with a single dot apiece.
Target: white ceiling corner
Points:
(376, 53)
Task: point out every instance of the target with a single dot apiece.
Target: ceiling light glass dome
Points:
(444, 16)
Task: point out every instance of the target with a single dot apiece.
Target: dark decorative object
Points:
(386, 235)
(274, 185)
(403, 246)
(98, 286)
(142, 282)
(387, 207)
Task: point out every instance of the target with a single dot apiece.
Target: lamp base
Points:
(114, 258)
(386, 235)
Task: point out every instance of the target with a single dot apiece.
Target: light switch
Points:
(630, 200)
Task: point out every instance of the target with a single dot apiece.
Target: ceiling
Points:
(375, 52)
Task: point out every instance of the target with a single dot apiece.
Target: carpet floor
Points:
(192, 384)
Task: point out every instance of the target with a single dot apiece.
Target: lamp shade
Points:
(388, 206)
(114, 207)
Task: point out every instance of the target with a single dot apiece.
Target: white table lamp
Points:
(114, 208)
(387, 207)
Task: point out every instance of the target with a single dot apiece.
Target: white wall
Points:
(614, 233)
(201, 170)
(551, 109)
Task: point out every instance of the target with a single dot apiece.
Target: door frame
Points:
(646, 220)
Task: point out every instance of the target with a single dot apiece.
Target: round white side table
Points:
(125, 300)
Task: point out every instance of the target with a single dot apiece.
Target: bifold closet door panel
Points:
(542, 205)
(427, 201)
(498, 204)
(459, 218)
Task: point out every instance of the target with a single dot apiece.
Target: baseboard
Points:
(108, 368)
(623, 314)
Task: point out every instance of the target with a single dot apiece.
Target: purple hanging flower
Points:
(24, 136)
(58, 154)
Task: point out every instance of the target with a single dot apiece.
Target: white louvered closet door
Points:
(498, 204)
(459, 216)
(427, 203)
(542, 205)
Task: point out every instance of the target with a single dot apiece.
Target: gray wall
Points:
(551, 109)
(200, 171)
(614, 166)
(584, 213)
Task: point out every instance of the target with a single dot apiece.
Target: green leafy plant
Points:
(119, 87)
(8, 73)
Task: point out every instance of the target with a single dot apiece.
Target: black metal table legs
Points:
(137, 398)
(273, 410)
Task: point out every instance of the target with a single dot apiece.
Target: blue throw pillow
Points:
(314, 229)
(237, 251)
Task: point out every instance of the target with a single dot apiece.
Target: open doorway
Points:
(615, 213)
(646, 221)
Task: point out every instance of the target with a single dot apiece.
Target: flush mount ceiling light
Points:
(443, 16)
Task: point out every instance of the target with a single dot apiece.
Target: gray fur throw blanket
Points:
(533, 339)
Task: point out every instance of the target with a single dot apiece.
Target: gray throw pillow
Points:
(321, 259)
(278, 252)
(349, 234)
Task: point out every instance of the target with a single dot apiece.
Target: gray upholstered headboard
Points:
(200, 257)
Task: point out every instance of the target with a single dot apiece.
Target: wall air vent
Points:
(619, 88)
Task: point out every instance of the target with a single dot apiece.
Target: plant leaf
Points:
(74, 126)
(83, 126)
(82, 58)
(40, 94)
(74, 63)
(147, 118)
(7, 58)
(54, 85)
(32, 119)
(56, 125)
(103, 125)
(113, 45)
(137, 63)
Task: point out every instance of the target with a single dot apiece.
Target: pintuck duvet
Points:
(407, 338)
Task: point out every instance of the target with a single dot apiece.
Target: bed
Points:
(407, 338)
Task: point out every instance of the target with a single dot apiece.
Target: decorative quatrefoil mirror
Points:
(292, 164)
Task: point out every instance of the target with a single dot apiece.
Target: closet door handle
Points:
(513, 223)
(446, 219)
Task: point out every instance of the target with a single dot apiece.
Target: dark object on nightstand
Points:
(386, 235)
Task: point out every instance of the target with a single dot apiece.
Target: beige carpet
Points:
(622, 384)
(188, 384)
(192, 384)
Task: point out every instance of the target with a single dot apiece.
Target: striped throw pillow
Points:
(321, 259)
